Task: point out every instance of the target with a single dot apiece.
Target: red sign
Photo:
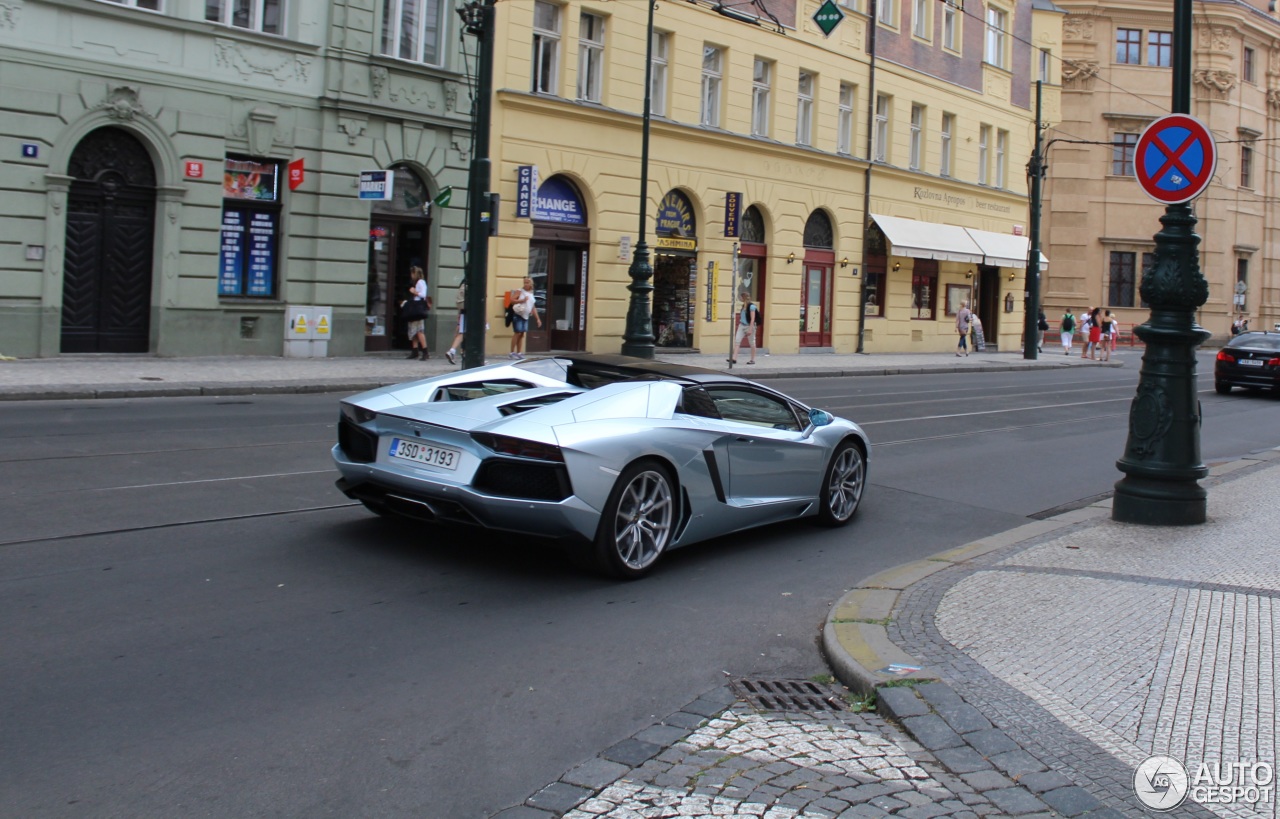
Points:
(296, 174)
(1175, 158)
(195, 170)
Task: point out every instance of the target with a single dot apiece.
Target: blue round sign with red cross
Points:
(1175, 159)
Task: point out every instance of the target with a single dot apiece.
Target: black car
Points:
(1249, 360)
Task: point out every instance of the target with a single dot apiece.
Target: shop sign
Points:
(675, 217)
(713, 282)
(732, 214)
(558, 202)
(675, 243)
(828, 16)
(377, 185)
(526, 184)
(246, 179)
(297, 174)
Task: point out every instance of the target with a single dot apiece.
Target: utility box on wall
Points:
(306, 333)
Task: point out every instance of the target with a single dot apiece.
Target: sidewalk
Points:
(120, 376)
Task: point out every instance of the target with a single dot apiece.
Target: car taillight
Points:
(1273, 362)
(506, 445)
(1223, 355)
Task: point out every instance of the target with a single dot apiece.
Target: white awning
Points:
(929, 240)
(1004, 250)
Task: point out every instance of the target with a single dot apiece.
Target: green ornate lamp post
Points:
(637, 340)
(1161, 461)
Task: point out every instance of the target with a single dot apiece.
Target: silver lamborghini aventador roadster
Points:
(628, 457)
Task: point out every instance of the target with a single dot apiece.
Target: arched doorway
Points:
(675, 272)
(815, 291)
(399, 239)
(106, 274)
(558, 259)
(751, 264)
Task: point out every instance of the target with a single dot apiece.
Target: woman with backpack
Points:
(1068, 330)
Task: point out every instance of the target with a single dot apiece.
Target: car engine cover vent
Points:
(786, 695)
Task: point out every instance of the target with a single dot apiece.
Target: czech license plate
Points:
(442, 457)
(1251, 362)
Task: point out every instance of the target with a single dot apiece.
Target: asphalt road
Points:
(193, 622)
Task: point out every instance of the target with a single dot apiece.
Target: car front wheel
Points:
(637, 522)
(842, 487)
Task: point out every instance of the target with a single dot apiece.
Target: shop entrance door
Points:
(394, 247)
(988, 306)
(559, 274)
(815, 306)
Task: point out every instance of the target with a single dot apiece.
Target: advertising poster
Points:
(246, 179)
(248, 253)
(231, 268)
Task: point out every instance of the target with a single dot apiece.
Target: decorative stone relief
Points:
(352, 127)
(248, 60)
(377, 79)
(1216, 84)
(1215, 38)
(1273, 102)
(450, 95)
(122, 103)
(1079, 74)
(1076, 27)
(9, 14)
(462, 144)
(412, 93)
(261, 127)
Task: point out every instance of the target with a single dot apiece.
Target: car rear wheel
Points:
(1221, 388)
(637, 522)
(842, 487)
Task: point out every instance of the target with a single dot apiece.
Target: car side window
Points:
(695, 401)
(756, 409)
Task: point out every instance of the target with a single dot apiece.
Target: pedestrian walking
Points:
(1086, 327)
(525, 307)
(1105, 326)
(748, 316)
(1068, 330)
(1042, 325)
(415, 309)
(460, 301)
(1095, 332)
(964, 319)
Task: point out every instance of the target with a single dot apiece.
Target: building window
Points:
(154, 5)
(546, 47)
(1128, 45)
(886, 12)
(1242, 274)
(804, 109)
(997, 25)
(249, 255)
(266, 16)
(920, 18)
(917, 135)
(950, 24)
(712, 77)
(1043, 74)
(874, 304)
(590, 58)
(984, 150)
(761, 85)
(881, 146)
(658, 76)
(1002, 153)
(1122, 148)
(924, 290)
(1160, 48)
(948, 150)
(844, 120)
(1246, 166)
(1121, 286)
(1247, 65)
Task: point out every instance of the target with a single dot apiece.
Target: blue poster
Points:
(262, 254)
(524, 191)
(231, 268)
(557, 201)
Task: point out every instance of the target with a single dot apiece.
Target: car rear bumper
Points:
(441, 500)
(1237, 376)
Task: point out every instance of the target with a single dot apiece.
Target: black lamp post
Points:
(477, 19)
(637, 340)
(1161, 459)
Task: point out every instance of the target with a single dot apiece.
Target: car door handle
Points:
(745, 440)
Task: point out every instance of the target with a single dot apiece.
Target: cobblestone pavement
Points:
(719, 757)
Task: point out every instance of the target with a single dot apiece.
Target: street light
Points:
(637, 340)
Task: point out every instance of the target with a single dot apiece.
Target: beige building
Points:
(777, 151)
(1116, 80)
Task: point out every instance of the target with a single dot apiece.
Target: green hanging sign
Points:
(828, 16)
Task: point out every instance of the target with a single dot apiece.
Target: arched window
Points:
(409, 195)
(818, 232)
(753, 226)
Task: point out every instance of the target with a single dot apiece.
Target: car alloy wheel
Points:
(636, 526)
(846, 476)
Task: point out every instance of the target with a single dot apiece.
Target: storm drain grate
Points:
(785, 695)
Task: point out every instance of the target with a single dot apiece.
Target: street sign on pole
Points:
(1175, 158)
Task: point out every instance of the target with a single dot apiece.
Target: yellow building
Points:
(1117, 80)
(761, 132)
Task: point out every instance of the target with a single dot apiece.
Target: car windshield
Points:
(1258, 341)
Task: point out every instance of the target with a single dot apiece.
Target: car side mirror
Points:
(820, 418)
